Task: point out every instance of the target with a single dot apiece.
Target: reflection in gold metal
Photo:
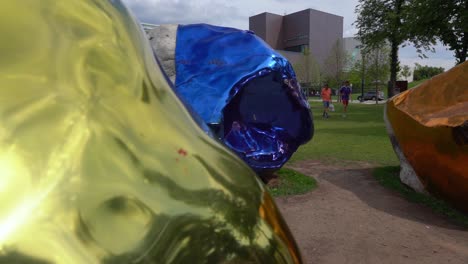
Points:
(440, 101)
(99, 161)
(430, 126)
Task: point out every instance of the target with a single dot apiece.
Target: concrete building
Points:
(147, 26)
(352, 47)
(312, 29)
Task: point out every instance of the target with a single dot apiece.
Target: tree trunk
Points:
(393, 67)
(395, 41)
(377, 79)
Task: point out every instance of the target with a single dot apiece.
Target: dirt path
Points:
(351, 218)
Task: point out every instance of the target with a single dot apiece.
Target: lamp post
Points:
(363, 75)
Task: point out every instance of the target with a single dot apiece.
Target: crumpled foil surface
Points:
(99, 160)
(430, 123)
(245, 91)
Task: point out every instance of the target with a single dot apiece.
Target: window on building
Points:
(299, 48)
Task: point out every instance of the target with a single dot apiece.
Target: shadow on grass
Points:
(389, 178)
(392, 197)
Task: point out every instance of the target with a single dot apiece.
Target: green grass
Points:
(388, 177)
(415, 83)
(361, 136)
(292, 182)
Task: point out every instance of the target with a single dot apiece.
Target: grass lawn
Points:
(292, 182)
(361, 136)
(415, 83)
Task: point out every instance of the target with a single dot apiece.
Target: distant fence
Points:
(314, 90)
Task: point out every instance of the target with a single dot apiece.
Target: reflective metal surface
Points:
(430, 125)
(245, 90)
(101, 163)
(439, 101)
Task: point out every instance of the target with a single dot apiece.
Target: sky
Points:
(236, 13)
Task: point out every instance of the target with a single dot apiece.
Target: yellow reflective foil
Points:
(440, 101)
(99, 161)
(425, 121)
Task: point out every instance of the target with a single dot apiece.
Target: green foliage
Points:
(380, 22)
(374, 65)
(355, 75)
(425, 72)
(378, 66)
(308, 69)
(373, 22)
(359, 136)
(292, 182)
(333, 69)
(444, 20)
(405, 72)
(388, 177)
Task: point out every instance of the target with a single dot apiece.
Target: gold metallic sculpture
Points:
(100, 162)
(430, 123)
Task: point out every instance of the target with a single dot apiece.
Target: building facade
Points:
(147, 26)
(352, 46)
(309, 29)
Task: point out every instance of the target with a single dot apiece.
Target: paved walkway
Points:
(351, 218)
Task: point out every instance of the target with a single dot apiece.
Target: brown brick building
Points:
(316, 30)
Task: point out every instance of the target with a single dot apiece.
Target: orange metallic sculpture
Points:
(428, 126)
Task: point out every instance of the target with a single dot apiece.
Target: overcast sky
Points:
(236, 13)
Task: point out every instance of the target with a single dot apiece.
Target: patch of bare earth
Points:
(351, 218)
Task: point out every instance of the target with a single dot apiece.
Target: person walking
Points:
(326, 99)
(345, 94)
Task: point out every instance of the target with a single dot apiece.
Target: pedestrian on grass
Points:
(345, 94)
(326, 99)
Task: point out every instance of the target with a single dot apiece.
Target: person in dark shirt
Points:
(345, 93)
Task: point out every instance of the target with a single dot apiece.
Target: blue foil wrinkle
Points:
(245, 91)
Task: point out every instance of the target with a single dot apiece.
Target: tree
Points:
(374, 67)
(378, 67)
(387, 22)
(425, 72)
(334, 65)
(445, 20)
(307, 69)
(380, 22)
(405, 72)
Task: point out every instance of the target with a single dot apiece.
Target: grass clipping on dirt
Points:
(388, 177)
(291, 182)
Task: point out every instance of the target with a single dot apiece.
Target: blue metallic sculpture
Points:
(244, 90)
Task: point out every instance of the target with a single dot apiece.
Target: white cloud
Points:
(185, 12)
(235, 13)
(442, 57)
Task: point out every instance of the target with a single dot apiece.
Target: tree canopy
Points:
(334, 65)
(443, 20)
(308, 69)
(425, 72)
(405, 72)
(374, 67)
(380, 22)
